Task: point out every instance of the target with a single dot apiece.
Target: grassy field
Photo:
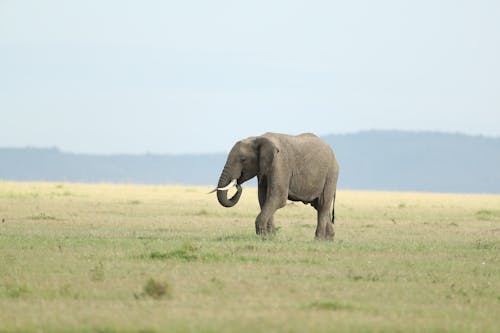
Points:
(123, 258)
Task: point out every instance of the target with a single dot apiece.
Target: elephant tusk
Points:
(225, 188)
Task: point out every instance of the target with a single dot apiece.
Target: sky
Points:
(196, 76)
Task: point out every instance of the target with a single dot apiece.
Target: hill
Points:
(373, 160)
(418, 161)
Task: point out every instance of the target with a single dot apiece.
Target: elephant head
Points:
(247, 159)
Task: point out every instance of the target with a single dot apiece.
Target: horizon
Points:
(361, 132)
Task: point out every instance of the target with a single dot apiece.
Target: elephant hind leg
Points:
(324, 229)
(325, 225)
(330, 232)
(321, 227)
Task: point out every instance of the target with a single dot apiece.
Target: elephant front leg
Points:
(271, 198)
(261, 225)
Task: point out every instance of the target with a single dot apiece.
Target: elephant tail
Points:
(333, 208)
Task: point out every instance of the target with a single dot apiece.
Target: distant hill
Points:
(32, 164)
(372, 160)
(418, 161)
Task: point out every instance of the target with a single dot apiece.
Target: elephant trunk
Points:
(224, 181)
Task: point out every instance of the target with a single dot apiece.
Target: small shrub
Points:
(370, 277)
(43, 216)
(97, 272)
(482, 244)
(330, 306)
(17, 291)
(217, 283)
(201, 212)
(487, 215)
(156, 289)
(187, 252)
(158, 255)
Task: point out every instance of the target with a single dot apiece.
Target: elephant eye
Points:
(243, 158)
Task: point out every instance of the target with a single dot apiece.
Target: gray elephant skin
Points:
(297, 168)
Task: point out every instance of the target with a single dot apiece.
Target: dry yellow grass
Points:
(128, 258)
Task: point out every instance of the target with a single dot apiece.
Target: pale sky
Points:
(196, 76)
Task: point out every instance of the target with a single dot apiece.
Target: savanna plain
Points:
(135, 258)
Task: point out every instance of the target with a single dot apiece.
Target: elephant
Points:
(297, 168)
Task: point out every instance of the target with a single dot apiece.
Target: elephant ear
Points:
(266, 151)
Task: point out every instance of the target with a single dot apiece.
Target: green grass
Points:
(118, 258)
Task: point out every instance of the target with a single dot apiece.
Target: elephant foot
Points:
(262, 233)
(266, 230)
(260, 229)
(266, 233)
(327, 237)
